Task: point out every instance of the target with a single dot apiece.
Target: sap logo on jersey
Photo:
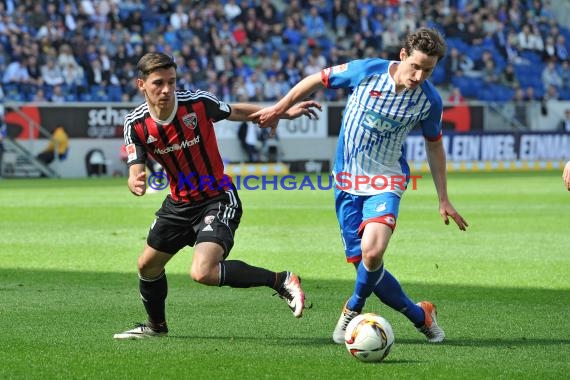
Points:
(378, 122)
(172, 148)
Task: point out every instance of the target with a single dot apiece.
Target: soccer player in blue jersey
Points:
(176, 128)
(387, 100)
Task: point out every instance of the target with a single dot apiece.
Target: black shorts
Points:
(180, 224)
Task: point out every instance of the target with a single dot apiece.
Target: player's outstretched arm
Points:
(307, 108)
(566, 175)
(137, 179)
(299, 92)
(246, 112)
(437, 164)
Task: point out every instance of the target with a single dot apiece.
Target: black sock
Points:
(153, 294)
(238, 274)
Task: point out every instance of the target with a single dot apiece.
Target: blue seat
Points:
(564, 94)
(458, 43)
(85, 97)
(98, 94)
(475, 52)
(500, 61)
(469, 87)
(114, 93)
(12, 91)
(48, 91)
(70, 97)
(531, 56)
(496, 93)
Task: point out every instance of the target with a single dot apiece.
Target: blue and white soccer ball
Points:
(369, 337)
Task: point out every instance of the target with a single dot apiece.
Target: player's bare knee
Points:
(200, 274)
(372, 257)
(149, 271)
(143, 267)
(373, 252)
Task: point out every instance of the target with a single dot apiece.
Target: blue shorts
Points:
(355, 211)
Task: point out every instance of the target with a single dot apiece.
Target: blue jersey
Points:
(376, 122)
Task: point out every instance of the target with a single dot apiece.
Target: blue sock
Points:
(391, 293)
(365, 283)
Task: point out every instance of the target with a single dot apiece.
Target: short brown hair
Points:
(151, 62)
(428, 41)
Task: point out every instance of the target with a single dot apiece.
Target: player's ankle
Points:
(157, 326)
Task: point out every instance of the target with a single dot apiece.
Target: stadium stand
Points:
(88, 47)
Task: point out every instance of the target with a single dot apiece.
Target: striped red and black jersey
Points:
(185, 144)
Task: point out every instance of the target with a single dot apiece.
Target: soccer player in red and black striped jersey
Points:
(203, 208)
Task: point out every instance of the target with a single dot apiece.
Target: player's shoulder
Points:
(431, 92)
(195, 96)
(370, 64)
(136, 113)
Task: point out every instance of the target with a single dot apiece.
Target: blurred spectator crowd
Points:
(255, 50)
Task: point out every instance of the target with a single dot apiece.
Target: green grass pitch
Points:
(68, 251)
